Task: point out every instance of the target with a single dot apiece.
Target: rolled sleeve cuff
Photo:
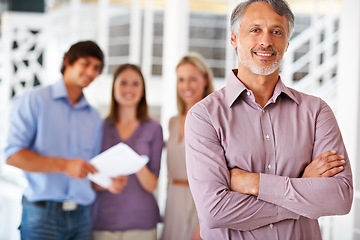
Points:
(11, 151)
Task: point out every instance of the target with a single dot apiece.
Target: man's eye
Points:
(97, 68)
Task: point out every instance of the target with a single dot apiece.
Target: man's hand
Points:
(78, 168)
(327, 164)
(118, 184)
(244, 182)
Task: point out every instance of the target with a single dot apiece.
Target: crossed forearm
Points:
(327, 164)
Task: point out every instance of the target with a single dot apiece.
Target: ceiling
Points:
(222, 6)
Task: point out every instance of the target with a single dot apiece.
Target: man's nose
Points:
(92, 71)
(266, 39)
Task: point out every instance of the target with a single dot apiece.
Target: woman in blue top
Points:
(133, 213)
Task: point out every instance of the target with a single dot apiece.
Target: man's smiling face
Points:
(262, 39)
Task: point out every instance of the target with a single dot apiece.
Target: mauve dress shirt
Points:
(228, 129)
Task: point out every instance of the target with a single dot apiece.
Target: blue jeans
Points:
(48, 221)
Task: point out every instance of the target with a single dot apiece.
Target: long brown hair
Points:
(142, 112)
(199, 62)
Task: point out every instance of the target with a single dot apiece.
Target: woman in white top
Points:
(194, 82)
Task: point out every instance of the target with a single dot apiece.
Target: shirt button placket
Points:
(270, 167)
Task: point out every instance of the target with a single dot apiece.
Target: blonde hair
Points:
(199, 62)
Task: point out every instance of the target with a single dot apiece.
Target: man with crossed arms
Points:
(264, 161)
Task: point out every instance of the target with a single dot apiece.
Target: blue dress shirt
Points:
(44, 121)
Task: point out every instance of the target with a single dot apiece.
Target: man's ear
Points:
(233, 40)
(66, 60)
(287, 46)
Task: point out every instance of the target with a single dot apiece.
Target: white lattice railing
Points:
(320, 61)
(320, 64)
(22, 57)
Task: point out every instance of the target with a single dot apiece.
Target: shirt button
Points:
(267, 137)
(263, 111)
(248, 93)
(271, 225)
(269, 166)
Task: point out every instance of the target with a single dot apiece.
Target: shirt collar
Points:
(234, 88)
(59, 92)
(281, 88)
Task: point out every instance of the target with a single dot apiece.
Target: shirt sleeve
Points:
(209, 178)
(156, 150)
(314, 197)
(23, 124)
(98, 138)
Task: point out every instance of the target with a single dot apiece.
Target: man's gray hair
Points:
(279, 6)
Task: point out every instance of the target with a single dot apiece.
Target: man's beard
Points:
(254, 67)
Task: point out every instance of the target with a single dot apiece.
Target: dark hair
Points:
(82, 49)
(142, 112)
(279, 6)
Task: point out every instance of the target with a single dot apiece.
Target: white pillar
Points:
(135, 32)
(103, 28)
(5, 103)
(348, 105)
(231, 58)
(148, 38)
(75, 9)
(175, 45)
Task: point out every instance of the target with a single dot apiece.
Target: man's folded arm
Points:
(209, 178)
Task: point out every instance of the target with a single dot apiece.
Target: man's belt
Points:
(65, 206)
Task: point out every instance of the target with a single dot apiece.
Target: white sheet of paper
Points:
(116, 161)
